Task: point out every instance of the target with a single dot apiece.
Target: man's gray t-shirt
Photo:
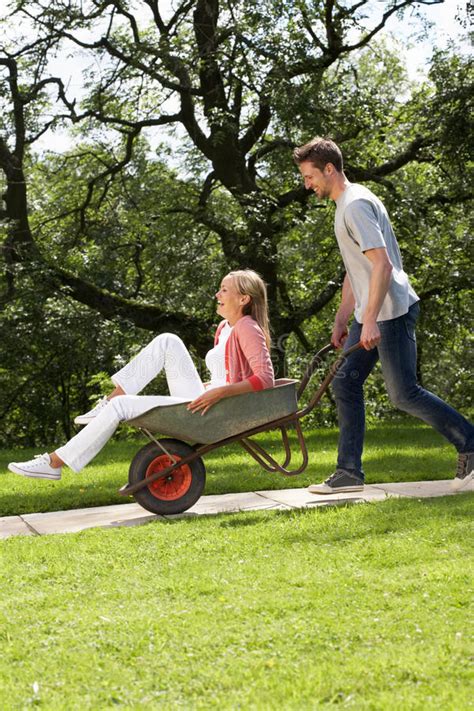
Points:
(361, 223)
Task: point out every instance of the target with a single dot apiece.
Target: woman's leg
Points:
(84, 446)
(167, 351)
(89, 441)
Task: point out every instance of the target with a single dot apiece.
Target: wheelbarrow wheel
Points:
(174, 493)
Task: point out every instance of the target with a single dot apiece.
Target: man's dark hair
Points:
(320, 152)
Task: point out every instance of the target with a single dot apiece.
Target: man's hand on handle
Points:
(339, 335)
(370, 335)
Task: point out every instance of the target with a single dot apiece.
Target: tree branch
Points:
(265, 149)
(411, 153)
(18, 103)
(320, 301)
(206, 188)
(182, 10)
(153, 5)
(258, 126)
(395, 8)
(131, 18)
(460, 284)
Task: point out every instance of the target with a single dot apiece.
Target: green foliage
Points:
(51, 351)
(449, 114)
(139, 241)
(153, 214)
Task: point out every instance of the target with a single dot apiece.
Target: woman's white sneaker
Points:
(37, 468)
(89, 416)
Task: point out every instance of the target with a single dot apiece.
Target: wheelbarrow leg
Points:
(268, 462)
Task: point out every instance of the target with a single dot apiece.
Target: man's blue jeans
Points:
(397, 354)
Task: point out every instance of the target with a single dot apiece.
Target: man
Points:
(385, 306)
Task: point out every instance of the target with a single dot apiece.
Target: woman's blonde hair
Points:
(249, 283)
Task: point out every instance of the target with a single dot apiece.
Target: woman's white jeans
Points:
(167, 352)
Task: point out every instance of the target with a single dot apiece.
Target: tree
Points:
(231, 87)
(228, 70)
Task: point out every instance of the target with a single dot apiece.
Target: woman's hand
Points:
(207, 399)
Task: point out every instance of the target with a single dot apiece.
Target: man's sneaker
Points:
(88, 416)
(37, 468)
(464, 471)
(342, 480)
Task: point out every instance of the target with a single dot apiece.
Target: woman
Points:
(239, 363)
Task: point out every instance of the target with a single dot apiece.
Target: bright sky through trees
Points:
(445, 20)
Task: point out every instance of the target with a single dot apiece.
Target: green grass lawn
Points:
(360, 607)
(402, 451)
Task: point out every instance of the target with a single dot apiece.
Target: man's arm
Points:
(378, 287)
(344, 312)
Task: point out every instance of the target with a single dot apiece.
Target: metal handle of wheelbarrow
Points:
(317, 360)
(329, 377)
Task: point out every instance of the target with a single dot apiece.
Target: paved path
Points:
(39, 524)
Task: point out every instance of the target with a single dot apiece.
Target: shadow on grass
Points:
(436, 523)
(432, 521)
(391, 516)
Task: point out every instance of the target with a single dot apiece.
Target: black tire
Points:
(171, 495)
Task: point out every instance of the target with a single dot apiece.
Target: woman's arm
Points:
(254, 347)
(210, 397)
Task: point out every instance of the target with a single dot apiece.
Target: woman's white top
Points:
(215, 359)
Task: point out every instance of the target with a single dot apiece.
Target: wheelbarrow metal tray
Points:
(227, 418)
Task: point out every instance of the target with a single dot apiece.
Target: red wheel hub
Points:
(174, 485)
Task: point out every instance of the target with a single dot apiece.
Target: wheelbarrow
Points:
(167, 475)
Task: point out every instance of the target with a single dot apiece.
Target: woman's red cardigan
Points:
(246, 354)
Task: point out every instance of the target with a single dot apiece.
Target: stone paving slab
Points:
(284, 499)
(301, 498)
(230, 503)
(423, 489)
(117, 515)
(82, 519)
(14, 526)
